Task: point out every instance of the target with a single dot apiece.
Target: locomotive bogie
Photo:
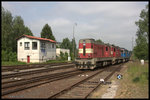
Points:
(85, 63)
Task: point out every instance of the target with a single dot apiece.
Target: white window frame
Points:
(26, 45)
(33, 46)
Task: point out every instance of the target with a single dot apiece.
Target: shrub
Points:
(8, 55)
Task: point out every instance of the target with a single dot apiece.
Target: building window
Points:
(52, 45)
(26, 45)
(49, 46)
(42, 45)
(34, 45)
(20, 43)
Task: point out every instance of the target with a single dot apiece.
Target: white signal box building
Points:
(35, 49)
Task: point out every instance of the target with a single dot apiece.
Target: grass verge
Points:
(135, 81)
(9, 63)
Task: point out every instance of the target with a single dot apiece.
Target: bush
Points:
(63, 56)
(12, 56)
(8, 55)
(66, 56)
(135, 80)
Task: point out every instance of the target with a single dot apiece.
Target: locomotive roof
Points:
(87, 39)
(93, 41)
(90, 40)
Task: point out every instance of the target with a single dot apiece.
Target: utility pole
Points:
(132, 49)
(132, 43)
(74, 39)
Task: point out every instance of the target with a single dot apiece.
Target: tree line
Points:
(68, 44)
(12, 28)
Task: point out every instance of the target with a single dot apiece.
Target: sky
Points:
(112, 22)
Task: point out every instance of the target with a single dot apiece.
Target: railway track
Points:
(36, 81)
(81, 89)
(30, 66)
(46, 69)
(85, 87)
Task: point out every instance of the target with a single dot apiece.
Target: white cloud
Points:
(60, 22)
(8, 6)
(109, 8)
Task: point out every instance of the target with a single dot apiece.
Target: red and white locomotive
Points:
(92, 54)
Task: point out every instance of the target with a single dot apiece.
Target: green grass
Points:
(56, 61)
(134, 83)
(138, 73)
(9, 63)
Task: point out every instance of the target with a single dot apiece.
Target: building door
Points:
(28, 59)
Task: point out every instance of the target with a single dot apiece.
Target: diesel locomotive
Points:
(92, 54)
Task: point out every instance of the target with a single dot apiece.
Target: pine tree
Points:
(47, 32)
(27, 31)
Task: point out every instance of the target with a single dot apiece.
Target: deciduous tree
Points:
(142, 41)
(12, 28)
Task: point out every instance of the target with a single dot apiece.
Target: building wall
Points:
(49, 54)
(22, 53)
(58, 50)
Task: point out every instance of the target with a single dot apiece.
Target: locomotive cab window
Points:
(121, 51)
(114, 49)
